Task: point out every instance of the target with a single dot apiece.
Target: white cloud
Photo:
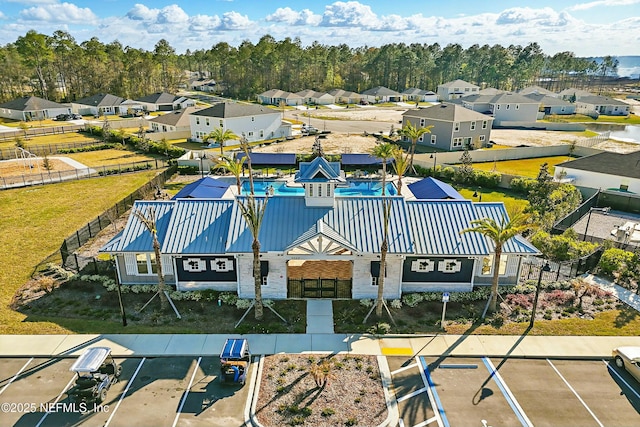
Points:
(608, 3)
(525, 15)
(141, 12)
(235, 21)
(204, 23)
(348, 14)
(59, 13)
(292, 17)
(172, 14)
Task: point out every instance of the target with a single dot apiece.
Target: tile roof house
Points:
(99, 104)
(456, 89)
(32, 108)
(255, 122)
(595, 105)
(454, 126)
(312, 248)
(163, 101)
(606, 170)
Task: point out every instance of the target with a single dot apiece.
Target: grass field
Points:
(512, 202)
(60, 138)
(33, 223)
(628, 120)
(109, 157)
(521, 167)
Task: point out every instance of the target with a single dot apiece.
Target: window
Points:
(449, 266)
(466, 89)
(222, 265)
(473, 126)
(498, 107)
(261, 133)
(319, 190)
(467, 141)
(194, 265)
(250, 134)
(221, 123)
(206, 121)
(484, 124)
(141, 262)
(422, 123)
(328, 190)
(562, 109)
(517, 106)
(487, 266)
(422, 265)
(457, 142)
(265, 280)
(433, 139)
(310, 190)
(481, 138)
(508, 106)
(374, 280)
(421, 138)
(197, 120)
(253, 119)
(456, 127)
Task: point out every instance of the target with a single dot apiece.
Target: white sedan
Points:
(628, 358)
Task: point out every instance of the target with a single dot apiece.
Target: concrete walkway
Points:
(319, 316)
(624, 295)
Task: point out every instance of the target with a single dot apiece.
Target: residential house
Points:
(162, 101)
(552, 105)
(419, 95)
(175, 121)
(606, 170)
(316, 98)
(277, 97)
(204, 85)
(506, 108)
(454, 127)
(100, 104)
(32, 108)
(489, 91)
(456, 89)
(595, 105)
(345, 96)
(537, 90)
(573, 94)
(381, 94)
(254, 122)
(319, 244)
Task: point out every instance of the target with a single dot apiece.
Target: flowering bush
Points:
(366, 302)
(520, 300)
(396, 303)
(228, 298)
(243, 304)
(412, 299)
(559, 297)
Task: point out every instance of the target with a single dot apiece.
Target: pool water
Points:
(355, 188)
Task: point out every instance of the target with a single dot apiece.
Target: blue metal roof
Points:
(498, 212)
(198, 226)
(135, 236)
(430, 188)
(356, 219)
(204, 188)
(361, 159)
(319, 170)
(436, 227)
(270, 158)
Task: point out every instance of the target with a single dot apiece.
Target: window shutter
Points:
(131, 267)
(167, 264)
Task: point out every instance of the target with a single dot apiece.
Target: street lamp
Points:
(546, 267)
(435, 160)
(586, 228)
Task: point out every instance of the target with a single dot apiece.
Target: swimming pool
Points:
(355, 188)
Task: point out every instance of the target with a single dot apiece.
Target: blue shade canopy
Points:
(204, 188)
(430, 188)
(361, 160)
(270, 158)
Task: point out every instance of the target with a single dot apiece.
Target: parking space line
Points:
(16, 375)
(515, 406)
(404, 368)
(124, 393)
(440, 415)
(426, 423)
(46, 414)
(410, 395)
(575, 393)
(186, 392)
(612, 369)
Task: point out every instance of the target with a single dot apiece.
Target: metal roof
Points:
(497, 211)
(198, 226)
(204, 188)
(135, 236)
(269, 158)
(436, 227)
(356, 219)
(319, 170)
(361, 159)
(430, 188)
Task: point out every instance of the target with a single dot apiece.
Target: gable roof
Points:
(600, 100)
(430, 188)
(380, 91)
(226, 110)
(277, 93)
(343, 93)
(617, 164)
(100, 100)
(537, 90)
(308, 93)
(447, 111)
(361, 159)
(319, 170)
(31, 103)
(579, 93)
(158, 98)
(498, 212)
(135, 237)
(175, 118)
(416, 91)
(548, 100)
(458, 83)
(204, 188)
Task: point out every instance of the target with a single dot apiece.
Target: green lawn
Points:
(631, 119)
(33, 223)
(109, 157)
(521, 167)
(512, 201)
(60, 138)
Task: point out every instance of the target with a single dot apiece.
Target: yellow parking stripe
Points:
(397, 351)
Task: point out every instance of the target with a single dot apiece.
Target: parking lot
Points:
(166, 391)
(512, 392)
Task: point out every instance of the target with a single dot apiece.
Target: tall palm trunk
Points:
(161, 282)
(257, 279)
(493, 305)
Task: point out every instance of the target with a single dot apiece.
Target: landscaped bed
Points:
(320, 391)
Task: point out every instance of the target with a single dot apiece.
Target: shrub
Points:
(615, 260)
(366, 302)
(228, 298)
(412, 300)
(327, 412)
(188, 170)
(486, 179)
(380, 328)
(523, 185)
(396, 303)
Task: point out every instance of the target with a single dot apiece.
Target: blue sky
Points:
(587, 28)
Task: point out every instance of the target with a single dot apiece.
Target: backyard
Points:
(521, 167)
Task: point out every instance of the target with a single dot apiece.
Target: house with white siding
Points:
(419, 95)
(100, 104)
(317, 243)
(456, 89)
(316, 98)
(32, 108)
(596, 105)
(381, 94)
(606, 170)
(278, 97)
(506, 108)
(163, 101)
(254, 122)
(345, 97)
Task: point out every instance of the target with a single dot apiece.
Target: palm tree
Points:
(400, 166)
(383, 151)
(234, 167)
(253, 213)
(413, 133)
(220, 135)
(148, 218)
(499, 233)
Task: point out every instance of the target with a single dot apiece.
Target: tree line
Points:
(59, 68)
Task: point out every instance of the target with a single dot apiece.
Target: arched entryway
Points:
(319, 279)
